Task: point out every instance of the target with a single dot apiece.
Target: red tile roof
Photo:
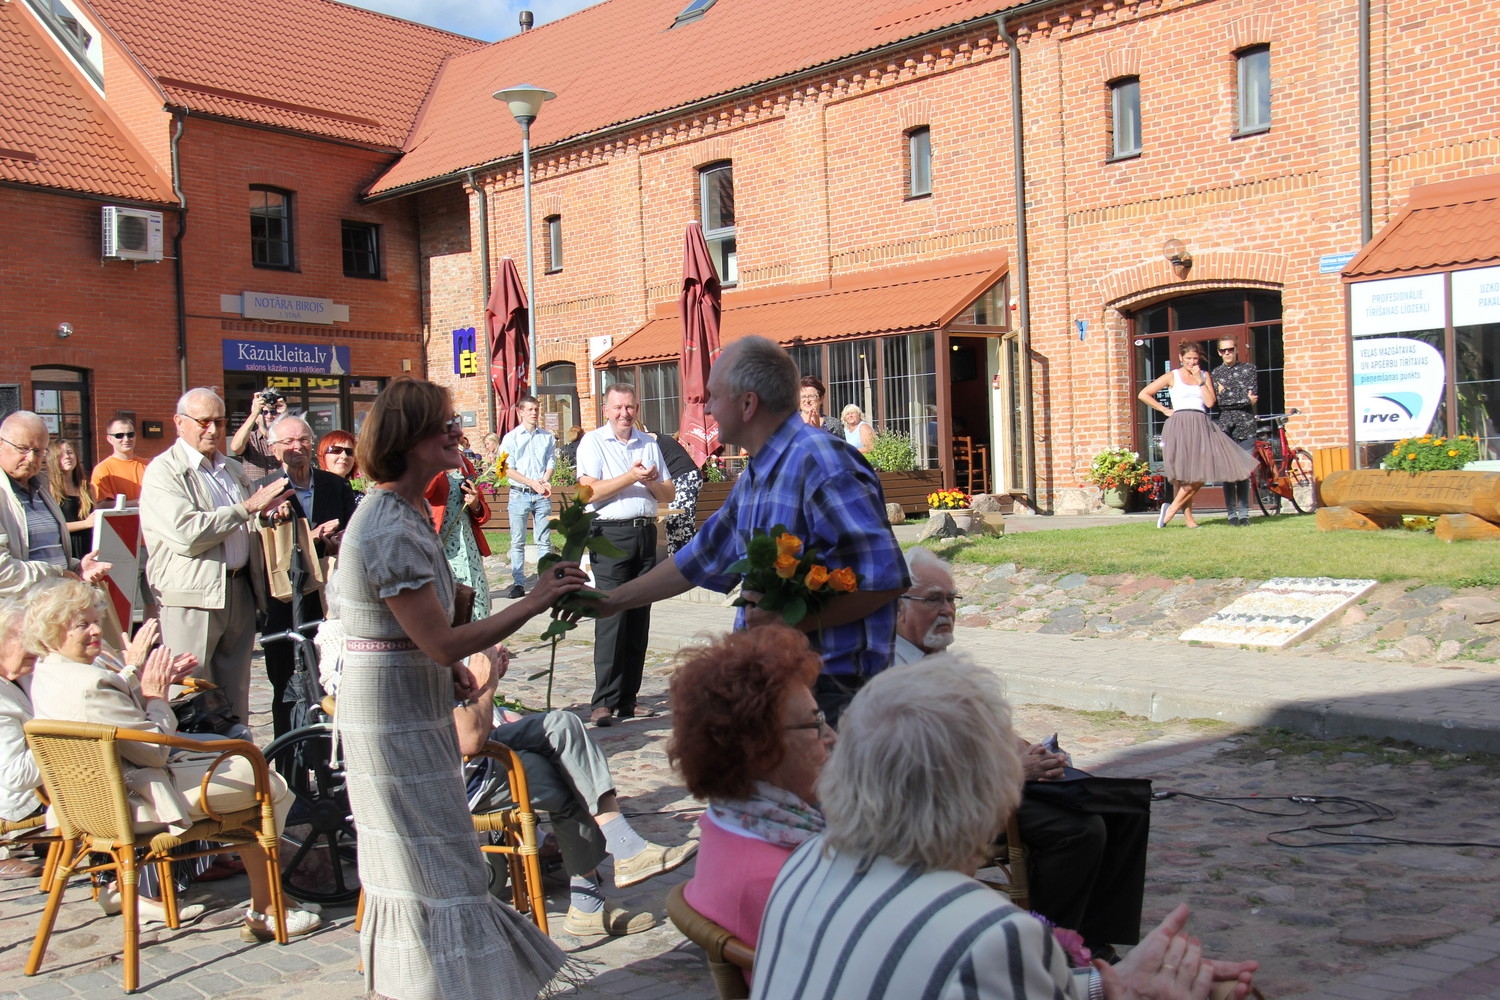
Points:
(622, 59)
(54, 129)
(308, 65)
(1455, 224)
(892, 300)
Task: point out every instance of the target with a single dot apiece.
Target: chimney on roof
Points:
(527, 20)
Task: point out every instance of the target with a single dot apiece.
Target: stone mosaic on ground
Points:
(1402, 621)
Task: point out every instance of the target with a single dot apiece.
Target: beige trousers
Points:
(223, 639)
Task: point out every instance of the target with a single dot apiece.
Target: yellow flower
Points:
(583, 494)
(817, 578)
(501, 468)
(786, 566)
(1452, 453)
(788, 544)
(1411, 455)
(843, 580)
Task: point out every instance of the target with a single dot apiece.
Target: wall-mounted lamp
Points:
(1177, 254)
(64, 331)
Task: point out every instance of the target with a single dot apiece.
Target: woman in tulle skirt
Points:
(1194, 451)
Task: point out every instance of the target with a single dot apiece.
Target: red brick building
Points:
(269, 269)
(1192, 171)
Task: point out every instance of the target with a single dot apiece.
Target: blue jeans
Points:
(540, 509)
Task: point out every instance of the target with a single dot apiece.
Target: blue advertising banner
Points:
(279, 356)
(465, 352)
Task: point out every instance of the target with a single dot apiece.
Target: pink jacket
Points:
(733, 878)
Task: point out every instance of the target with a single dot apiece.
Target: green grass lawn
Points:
(499, 541)
(1281, 546)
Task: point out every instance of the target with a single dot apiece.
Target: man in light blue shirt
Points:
(531, 454)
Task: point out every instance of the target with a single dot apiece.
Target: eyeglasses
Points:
(820, 722)
(304, 441)
(205, 422)
(935, 599)
(122, 437)
(25, 451)
(453, 424)
(338, 449)
(1227, 350)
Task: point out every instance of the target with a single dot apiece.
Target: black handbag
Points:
(207, 711)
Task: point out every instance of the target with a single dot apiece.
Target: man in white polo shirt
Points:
(627, 472)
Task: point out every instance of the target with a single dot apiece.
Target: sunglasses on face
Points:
(338, 449)
(123, 437)
(454, 425)
(205, 422)
(1228, 350)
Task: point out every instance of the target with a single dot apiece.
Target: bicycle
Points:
(1281, 471)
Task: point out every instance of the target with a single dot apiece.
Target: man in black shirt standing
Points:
(1235, 386)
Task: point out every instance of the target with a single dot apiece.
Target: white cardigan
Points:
(18, 771)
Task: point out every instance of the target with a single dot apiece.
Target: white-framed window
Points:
(1125, 117)
(554, 243)
(919, 162)
(1253, 66)
(716, 203)
(78, 35)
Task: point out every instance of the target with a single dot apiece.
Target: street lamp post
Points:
(525, 102)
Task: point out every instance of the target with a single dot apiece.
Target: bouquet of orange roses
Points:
(791, 578)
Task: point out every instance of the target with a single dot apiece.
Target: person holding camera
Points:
(251, 444)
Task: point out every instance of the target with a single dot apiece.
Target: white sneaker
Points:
(262, 926)
(148, 911)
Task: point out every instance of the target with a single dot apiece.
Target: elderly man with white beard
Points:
(1085, 836)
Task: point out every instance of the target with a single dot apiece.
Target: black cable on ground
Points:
(1354, 812)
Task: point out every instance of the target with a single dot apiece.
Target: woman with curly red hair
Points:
(748, 738)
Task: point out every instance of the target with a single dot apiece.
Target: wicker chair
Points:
(1010, 858)
(517, 827)
(84, 779)
(728, 956)
(33, 831)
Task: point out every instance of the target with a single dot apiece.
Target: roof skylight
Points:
(693, 11)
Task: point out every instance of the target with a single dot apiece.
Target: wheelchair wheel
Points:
(323, 866)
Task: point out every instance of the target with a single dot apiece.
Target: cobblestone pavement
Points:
(1355, 921)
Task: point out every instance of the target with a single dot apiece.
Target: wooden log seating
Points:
(1466, 504)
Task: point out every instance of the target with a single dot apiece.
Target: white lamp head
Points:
(525, 101)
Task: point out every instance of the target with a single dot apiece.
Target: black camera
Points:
(270, 398)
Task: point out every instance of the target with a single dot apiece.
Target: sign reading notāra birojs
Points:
(282, 356)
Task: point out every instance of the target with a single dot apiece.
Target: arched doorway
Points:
(1157, 332)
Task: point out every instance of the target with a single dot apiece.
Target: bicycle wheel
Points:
(1268, 499)
(323, 867)
(1300, 473)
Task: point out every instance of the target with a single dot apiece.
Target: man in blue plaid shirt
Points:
(822, 490)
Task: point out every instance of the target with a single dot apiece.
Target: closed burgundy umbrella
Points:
(699, 304)
(505, 319)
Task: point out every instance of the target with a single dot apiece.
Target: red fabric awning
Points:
(893, 300)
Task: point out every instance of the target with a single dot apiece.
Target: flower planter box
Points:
(1467, 504)
(909, 489)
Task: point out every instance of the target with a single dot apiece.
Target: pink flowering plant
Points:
(1120, 469)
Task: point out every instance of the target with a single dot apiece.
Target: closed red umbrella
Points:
(700, 307)
(505, 319)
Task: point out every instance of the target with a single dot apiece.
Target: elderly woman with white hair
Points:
(884, 903)
(19, 777)
(857, 430)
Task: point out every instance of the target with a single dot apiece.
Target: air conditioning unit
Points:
(131, 233)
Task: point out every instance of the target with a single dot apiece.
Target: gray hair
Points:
(271, 433)
(23, 417)
(201, 392)
(926, 769)
(624, 389)
(11, 613)
(758, 365)
(919, 556)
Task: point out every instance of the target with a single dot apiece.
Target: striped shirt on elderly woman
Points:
(838, 930)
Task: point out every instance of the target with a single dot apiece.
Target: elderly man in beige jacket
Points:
(206, 570)
(33, 534)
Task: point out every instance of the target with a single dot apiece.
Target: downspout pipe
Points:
(1023, 260)
(1366, 185)
(179, 119)
(484, 288)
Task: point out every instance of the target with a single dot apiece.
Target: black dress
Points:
(83, 541)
